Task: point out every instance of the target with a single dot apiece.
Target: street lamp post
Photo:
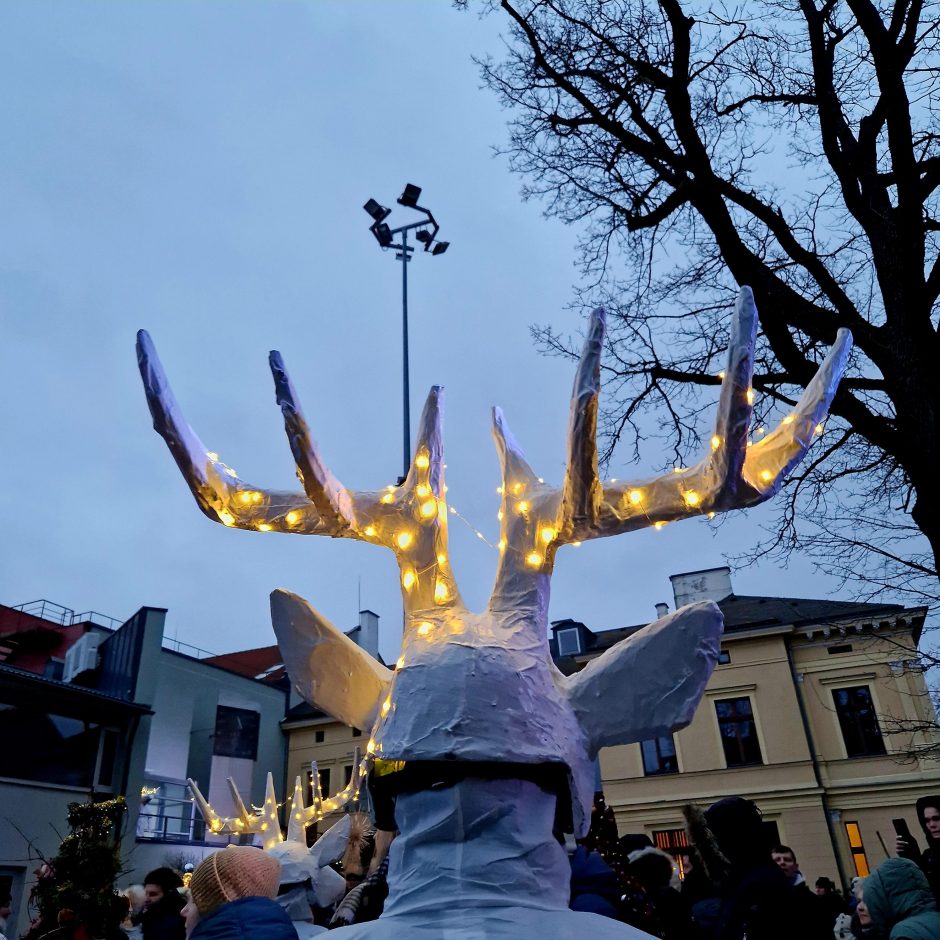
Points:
(425, 233)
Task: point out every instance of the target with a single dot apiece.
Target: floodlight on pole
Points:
(426, 234)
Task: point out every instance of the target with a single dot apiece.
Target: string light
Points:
(226, 518)
(766, 476)
(264, 527)
(428, 509)
(400, 662)
(424, 628)
(404, 539)
(721, 376)
(387, 498)
(386, 706)
(422, 489)
(441, 558)
(819, 429)
(370, 531)
(789, 419)
(408, 579)
(691, 498)
(522, 506)
(518, 488)
(716, 442)
(422, 462)
(635, 497)
(292, 518)
(212, 455)
(533, 559)
(750, 396)
(440, 591)
(547, 534)
(658, 525)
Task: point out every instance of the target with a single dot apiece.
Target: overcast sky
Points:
(198, 169)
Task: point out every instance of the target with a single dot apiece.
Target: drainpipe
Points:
(807, 731)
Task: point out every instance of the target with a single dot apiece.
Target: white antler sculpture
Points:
(481, 686)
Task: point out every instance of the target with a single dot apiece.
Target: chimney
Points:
(711, 584)
(661, 609)
(369, 632)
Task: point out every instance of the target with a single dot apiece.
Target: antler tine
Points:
(219, 825)
(768, 461)
(300, 815)
(218, 490)
(240, 807)
(323, 489)
(581, 495)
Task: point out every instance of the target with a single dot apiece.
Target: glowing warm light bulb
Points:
(386, 706)
(522, 506)
(390, 488)
(246, 497)
(264, 527)
(400, 662)
(404, 539)
(547, 534)
(517, 488)
(635, 497)
(212, 455)
(711, 515)
(226, 518)
(441, 558)
(440, 591)
(716, 442)
(721, 376)
(658, 525)
(428, 509)
(789, 419)
(424, 628)
(231, 472)
(818, 429)
(369, 531)
(370, 747)
(576, 544)
(533, 559)
(408, 579)
(292, 518)
(750, 396)
(499, 490)
(387, 498)
(499, 515)
(762, 430)
(678, 469)
(502, 545)
(422, 489)
(766, 476)
(691, 498)
(422, 462)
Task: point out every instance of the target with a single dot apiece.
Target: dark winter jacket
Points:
(594, 886)
(900, 901)
(246, 919)
(162, 921)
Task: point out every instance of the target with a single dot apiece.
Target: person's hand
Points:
(901, 846)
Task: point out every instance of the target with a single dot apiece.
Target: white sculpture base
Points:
(478, 861)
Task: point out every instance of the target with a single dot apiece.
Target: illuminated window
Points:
(738, 731)
(659, 756)
(858, 849)
(858, 721)
(676, 843)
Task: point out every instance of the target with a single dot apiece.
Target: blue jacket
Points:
(245, 919)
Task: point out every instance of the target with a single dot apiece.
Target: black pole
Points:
(406, 401)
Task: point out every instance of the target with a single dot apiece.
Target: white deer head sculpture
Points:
(481, 687)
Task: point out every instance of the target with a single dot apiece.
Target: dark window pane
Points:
(109, 743)
(325, 782)
(319, 736)
(356, 733)
(347, 774)
(236, 732)
(48, 748)
(724, 657)
(738, 731)
(659, 756)
(858, 721)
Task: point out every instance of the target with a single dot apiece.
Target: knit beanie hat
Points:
(238, 871)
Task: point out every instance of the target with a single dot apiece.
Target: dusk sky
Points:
(198, 169)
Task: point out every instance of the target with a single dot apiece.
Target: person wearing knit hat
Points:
(231, 896)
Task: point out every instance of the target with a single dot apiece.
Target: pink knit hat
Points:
(238, 871)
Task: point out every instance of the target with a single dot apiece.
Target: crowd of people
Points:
(733, 886)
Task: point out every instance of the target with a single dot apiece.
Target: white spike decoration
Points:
(265, 823)
(481, 688)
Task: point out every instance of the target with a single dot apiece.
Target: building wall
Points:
(811, 806)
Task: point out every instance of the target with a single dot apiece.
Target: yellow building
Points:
(802, 715)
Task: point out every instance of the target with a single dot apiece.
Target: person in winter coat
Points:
(900, 902)
(160, 918)
(928, 815)
(232, 898)
(655, 870)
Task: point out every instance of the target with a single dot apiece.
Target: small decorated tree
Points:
(78, 883)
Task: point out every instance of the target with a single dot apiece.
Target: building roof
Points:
(744, 612)
(263, 662)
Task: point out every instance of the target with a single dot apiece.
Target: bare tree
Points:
(792, 146)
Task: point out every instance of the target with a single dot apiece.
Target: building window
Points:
(858, 721)
(676, 843)
(347, 774)
(319, 736)
(659, 756)
(356, 733)
(569, 641)
(236, 732)
(738, 731)
(858, 849)
(841, 648)
(324, 782)
(724, 658)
